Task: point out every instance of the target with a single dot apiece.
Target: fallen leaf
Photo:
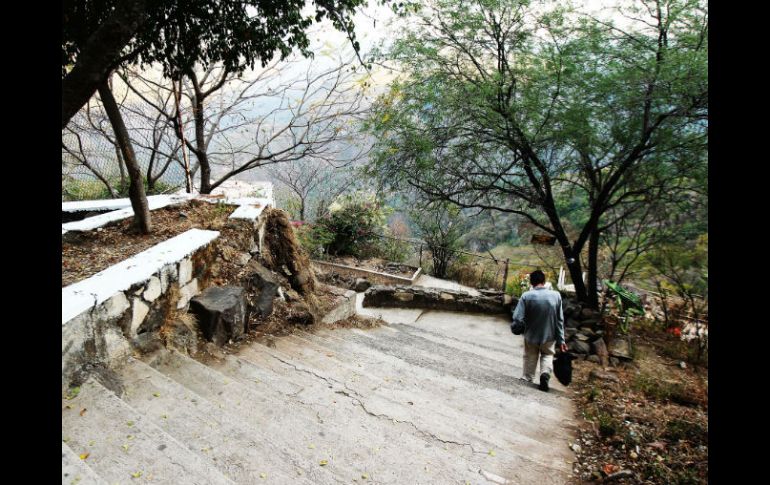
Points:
(136, 474)
(83, 411)
(609, 469)
(84, 456)
(263, 475)
(364, 476)
(323, 462)
(491, 452)
(156, 394)
(72, 394)
(130, 423)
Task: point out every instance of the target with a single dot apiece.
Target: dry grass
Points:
(654, 422)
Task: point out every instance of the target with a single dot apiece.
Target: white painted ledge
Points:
(112, 204)
(84, 295)
(154, 202)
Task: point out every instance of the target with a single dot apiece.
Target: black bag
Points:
(562, 367)
(517, 327)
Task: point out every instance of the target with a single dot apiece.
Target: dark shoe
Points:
(544, 378)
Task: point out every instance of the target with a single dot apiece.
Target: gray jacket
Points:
(540, 310)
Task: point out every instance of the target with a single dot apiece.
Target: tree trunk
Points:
(200, 137)
(136, 187)
(98, 57)
(575, 273)
(593, 269)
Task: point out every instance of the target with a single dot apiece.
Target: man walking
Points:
(540, 311)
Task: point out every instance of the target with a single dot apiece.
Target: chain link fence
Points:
(93, 168)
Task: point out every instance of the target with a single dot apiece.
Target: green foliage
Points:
(355, 221)
(180, 34)
(529, 108)
(314, 238)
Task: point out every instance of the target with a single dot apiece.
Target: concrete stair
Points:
(433, 399)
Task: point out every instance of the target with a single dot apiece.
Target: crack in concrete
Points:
(420, 431)
(356, 398)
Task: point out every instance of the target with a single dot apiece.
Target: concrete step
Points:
(122, 444)
(448, 361)
(417, 393)
(463, 436)
(220, 438)
(416, 404)
(354, 443)
(76, 471)
(387, 450)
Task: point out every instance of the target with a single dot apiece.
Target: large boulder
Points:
(264, 284)
(222, 313)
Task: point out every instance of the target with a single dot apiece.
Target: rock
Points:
(571, 323)
(185, 271)
(682, 364)
(590, 322)
(614, 362)
(603, 376)
(620, 348)
(582, 337)
(600, 349)
(589, 313)
(571, 309)
(291, 295)
(446, 296)
(180, 335)
(146, 342)
(578, 347)
(265, 284)
(301, 314)
(594, 358)
(140, 310)
(575, 447)
(242, 259)
(403, 296)
(569, 333)
(152, 290)
(361, 285)
(222, 313)
(187, 292)
(587, 331)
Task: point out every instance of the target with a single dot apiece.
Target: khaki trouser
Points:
(532, 352)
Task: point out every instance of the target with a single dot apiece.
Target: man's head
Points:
(536, 277)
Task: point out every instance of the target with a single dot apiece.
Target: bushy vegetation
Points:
(351, 228)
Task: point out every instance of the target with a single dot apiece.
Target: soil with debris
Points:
(86, 253)
(649, 427)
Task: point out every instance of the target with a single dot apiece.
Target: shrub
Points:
(354, 222)
(313, 237)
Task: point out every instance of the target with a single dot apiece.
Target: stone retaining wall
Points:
(106, 330)
(434, 299)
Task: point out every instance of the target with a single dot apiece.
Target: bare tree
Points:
(312, 182)
(240, 124)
